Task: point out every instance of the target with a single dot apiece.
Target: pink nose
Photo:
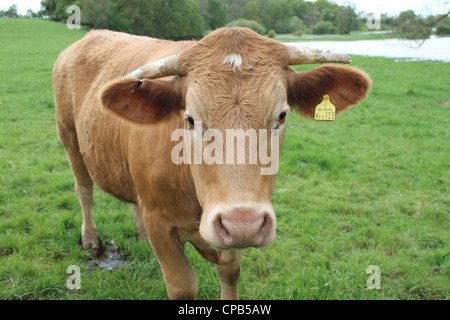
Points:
(244, 227)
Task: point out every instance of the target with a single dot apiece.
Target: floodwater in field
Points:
(109, 259)
(435, 48)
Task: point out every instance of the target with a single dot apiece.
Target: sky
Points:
(393, 7)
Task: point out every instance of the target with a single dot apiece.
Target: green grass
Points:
(369, 189)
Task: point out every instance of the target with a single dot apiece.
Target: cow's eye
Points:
(191, 122)
(282, 118)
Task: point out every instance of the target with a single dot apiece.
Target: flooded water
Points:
(435, 48)
(109, 259)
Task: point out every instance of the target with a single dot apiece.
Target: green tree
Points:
(312, 16)
(56, 9)
(324, 27)
(31, 14)
(48, 8)
(299, 8)
(386, 21)
(217, 16)
(296, 24)
(185, 22)
(203, 8)
(11, 12)
(413, 27)
(168, 19)
(103, 14)
(252, 24)
(274, 11)
(443, 27)
(410, 26)
(347, 20)
(234, 12)
(251, 11)
(328, 10)
(290, 25)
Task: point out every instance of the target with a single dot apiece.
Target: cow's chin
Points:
(227, 227)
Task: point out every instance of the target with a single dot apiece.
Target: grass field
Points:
(369, 189)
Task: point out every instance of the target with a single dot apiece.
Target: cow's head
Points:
(235, 79)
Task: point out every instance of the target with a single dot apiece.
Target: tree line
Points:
(187, 19)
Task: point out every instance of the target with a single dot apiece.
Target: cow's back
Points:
(103, 139)
(99, 57)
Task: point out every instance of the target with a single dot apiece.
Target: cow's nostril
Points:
(220, 228)
(266, 226)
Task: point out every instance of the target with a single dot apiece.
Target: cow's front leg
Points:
(228, 269)
(181, 282)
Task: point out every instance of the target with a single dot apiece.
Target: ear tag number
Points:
(325, 111)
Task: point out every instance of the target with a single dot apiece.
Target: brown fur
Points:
(116, 133)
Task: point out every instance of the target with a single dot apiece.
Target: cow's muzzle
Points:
(233, 227)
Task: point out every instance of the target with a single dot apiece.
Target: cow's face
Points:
(234, 93)
(235, 96)
(240, 139)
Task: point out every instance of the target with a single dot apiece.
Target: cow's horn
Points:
(160, 68)
(303, 55)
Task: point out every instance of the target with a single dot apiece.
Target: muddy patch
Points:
(110, 257)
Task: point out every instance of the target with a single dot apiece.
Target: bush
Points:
(255, 26)
(411, 26)
(282, 26)
(324, 27)
(298, 33)
(442, 29)
(271, 33)
(297, 24)
(289, 25)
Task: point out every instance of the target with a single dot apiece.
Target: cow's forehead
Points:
(224, 102)
(235, 78)
(240, 49)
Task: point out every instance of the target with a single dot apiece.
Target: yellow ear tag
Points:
(325, 111)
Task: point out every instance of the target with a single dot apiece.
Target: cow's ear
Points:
(142, 101)
(346, 86)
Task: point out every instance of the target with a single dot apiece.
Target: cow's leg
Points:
(84, 188)
(181, 282)
(228, 270)
(139, 222)
(85, 193)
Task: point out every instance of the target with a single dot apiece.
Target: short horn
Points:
(160, 68)
(303, 55)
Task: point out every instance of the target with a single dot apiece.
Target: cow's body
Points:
(111, 152)
(104, 140)
(133, 161)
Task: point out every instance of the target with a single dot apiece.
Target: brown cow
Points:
(117, 131)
